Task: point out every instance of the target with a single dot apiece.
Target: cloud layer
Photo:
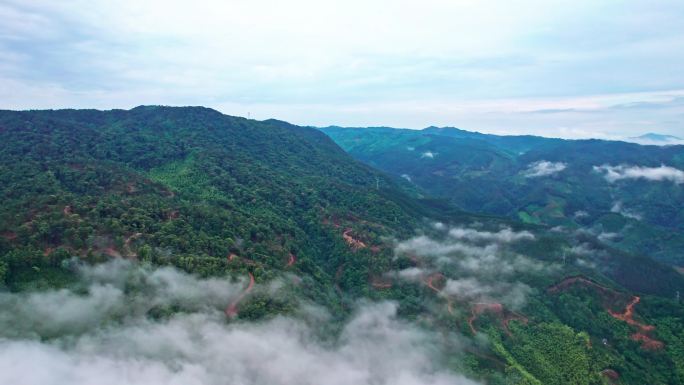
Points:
(544, 168)
(506, 67)
(479, 265)
(103, 333)
(662, 173)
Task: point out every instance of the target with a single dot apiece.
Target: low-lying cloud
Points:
(478, 265)
(663, 173)
(619, 208)
(544, 168)
(104, 334)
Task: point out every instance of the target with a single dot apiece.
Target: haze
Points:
(575, 69)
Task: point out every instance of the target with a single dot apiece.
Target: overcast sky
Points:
(558, 68)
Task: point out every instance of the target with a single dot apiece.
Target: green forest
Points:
(479, 256)
(505, 175)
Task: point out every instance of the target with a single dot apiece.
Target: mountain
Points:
(630, 193)
(164, 234)
(658, 137)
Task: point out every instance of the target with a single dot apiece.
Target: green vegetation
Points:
(220, 196)
(487, 173)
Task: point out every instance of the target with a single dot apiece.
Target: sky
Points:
(574, 69)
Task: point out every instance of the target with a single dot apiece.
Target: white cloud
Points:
(478, 264)
(114, 341)
(413, 273)
(511, 294)
(580, 214)
(505, 235)
(428, 154)
(355, 63)
(662, 173)
(544, 168)
(619, 209)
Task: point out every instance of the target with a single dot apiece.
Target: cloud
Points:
(479, 265)
(505, 235)
(59, 312)
(413, 273)
(299, 61)
(619, 209)
(662, 173)
(512, 294)
(428, 154)
(114, 340)
(580, 214)
(544, 168)
(607, 236)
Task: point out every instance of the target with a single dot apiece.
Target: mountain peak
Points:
(657, 137)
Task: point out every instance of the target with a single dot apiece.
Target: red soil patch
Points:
(232, 257)
(430, 282)
(505, 316)
(9, 235)
(48, 251)
(627, 315)
(381, 283)
(127, 245)
(647, 343)
(131, 188)
(570, 281)
(354, 243)
(291, 260)
(172, 215)
(436, 283)
(112, 252)
(232, 309)
(611, 375)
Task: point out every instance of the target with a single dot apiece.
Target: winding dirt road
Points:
(291, 260)
(232, 309)
(505, 316)
(430, 283)
(354, 243)
(627, 315)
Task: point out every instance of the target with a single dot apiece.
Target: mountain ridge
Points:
(291, 222)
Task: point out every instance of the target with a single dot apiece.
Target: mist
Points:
(101, 331)
(658, 174)
(478, 265)
(544, 168)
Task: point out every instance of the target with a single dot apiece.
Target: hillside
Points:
(251, 241)
(631, 194)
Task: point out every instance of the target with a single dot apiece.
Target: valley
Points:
(189, 219)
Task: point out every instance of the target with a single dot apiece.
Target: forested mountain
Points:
(194, 203)
(630, 195)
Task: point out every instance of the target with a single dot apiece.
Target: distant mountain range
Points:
(632, 194)
(530, 288)
(658, 137)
